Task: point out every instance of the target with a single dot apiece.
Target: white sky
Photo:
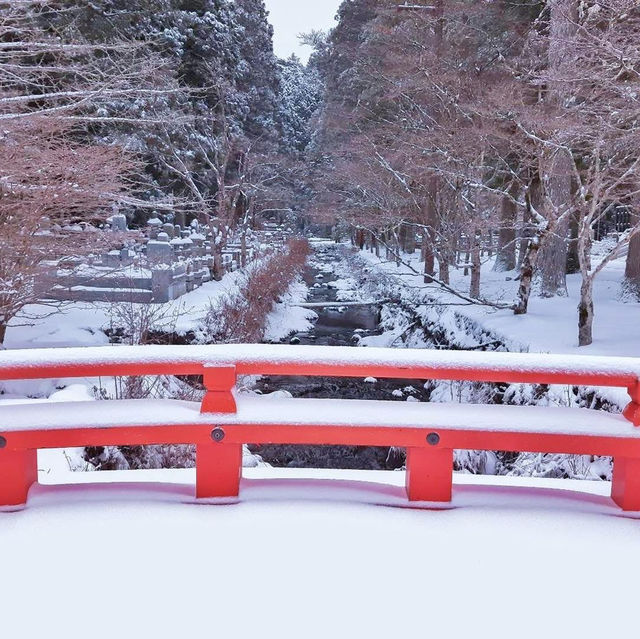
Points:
(291, 17)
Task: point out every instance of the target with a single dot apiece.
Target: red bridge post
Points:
(219, 382)
(218, 468)
(18, 472)
(632, 411)
(218, 465)
(625, 490)
(429, 474)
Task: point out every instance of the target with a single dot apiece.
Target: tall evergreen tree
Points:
(257, 79)
(219, 54)
(301, 91)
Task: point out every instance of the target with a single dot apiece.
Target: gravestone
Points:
(154, 224)
(126, 257)
(169, 229)
(159, 251)
(118, 222)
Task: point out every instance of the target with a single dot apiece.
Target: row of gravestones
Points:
(159, 285)
(178, 260)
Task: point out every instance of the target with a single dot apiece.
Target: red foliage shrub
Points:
(240, 316)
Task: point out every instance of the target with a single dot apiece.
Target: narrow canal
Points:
(337, 326)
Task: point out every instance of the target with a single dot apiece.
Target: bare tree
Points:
(53, 191)
(55, 186)
(527, 122)
(632, 270)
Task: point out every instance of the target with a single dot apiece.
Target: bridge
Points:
(226, 419)
(356, 304)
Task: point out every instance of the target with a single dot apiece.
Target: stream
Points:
(342, 326)
(329, 270)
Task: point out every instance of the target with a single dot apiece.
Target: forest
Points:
(457, 129)
(487, 126)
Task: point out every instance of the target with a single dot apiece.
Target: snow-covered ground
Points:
(551, 325)
(287, 317)
(317, 554)
(83, 324)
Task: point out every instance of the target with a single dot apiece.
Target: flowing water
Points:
(343, 326)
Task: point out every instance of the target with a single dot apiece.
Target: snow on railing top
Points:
(321, 361)
(227, 420)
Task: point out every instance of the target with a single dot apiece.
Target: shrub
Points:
(240, 315)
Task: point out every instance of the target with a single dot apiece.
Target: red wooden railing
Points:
(226, 421)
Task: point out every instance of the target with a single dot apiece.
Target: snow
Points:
(131, 271)
(252, 358)
(101, 289)
(83, 323)
(346, 288)
(288, 317)
(308, 553)
(256, 410)
(551, 324)
(77, 324)
(317, 554)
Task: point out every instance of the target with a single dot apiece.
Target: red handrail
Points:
(249, 359)
(430, 454)
(262, 359)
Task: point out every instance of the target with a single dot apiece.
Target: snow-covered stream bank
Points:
(337, 326)
(337, 273)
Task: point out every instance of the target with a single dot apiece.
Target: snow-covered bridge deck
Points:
(224, 421)
(312, 554)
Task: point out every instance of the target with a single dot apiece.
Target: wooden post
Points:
(625, 489)
(429, 474)
(218, 469)
(18, 472)
(219, 382)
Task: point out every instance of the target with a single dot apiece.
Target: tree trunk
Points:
(375, 244)
(217, 243)
(533, 197)
(526, 276)
(476, 264)
(523, 243)
(409, 239)
(243, 247)
(573, 259)
(530, 256)
(429, 257)
(217, 264)
(506, 257)
(553, 256)
(632, 270)
(429, 234)
(443, 268)
(3, 333)
(489, 246)
(467, 255)
(585, 313)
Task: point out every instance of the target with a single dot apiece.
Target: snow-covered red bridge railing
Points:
(226, 420)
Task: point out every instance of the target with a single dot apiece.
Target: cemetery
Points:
(158, 263)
